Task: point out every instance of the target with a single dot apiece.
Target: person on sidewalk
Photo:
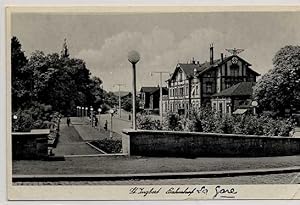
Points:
(105, 125)
(96, 122)
(68, 121)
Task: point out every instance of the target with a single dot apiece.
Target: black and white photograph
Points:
(172, 104)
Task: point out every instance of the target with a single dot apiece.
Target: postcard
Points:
(153, 103)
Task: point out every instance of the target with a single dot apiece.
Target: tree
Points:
(127, 103)
(20, 89)
(53, 79)
(279, 88)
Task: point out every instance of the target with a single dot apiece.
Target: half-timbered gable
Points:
(192, 84)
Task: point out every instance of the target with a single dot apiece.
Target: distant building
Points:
(150, 97)
(235, 99)
(193, 84)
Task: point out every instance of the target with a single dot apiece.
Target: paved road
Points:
(118, 124)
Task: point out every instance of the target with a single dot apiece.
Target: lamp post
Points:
(78, 111)
(111, 111)
(133, 58)
(91, 110)
(15, 117)
(86, 111)
(254, 105)
(81, 112)
(119, 85)
(99, 111)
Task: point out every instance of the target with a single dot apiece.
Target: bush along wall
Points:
(204, 120)
(54, 130)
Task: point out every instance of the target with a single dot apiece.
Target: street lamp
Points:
(254, 105)
(99, 111)
(15, 117)
(79, 111)
(86, 111)
(133, 58)
(111, 111)
(91, 109)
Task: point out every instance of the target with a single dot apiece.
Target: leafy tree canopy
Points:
(53, 79)
(279, 89)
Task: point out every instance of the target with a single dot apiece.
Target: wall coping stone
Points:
(187, 134)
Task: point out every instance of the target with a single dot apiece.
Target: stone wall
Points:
(30, 145)
(193, 144)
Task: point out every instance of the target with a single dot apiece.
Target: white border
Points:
(4, 3)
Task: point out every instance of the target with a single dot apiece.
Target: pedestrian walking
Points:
(105, 125)
(68, 121)
(96, 122)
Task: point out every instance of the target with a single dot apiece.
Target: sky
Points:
(162, 39)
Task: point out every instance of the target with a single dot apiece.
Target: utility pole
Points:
(160, 92)
(119, 85)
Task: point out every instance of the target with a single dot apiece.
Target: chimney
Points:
(222, 57)
(193, 61)
(211, 54)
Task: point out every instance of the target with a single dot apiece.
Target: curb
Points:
(178, 175)
(97, 155)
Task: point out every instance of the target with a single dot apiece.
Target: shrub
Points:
(173, 122)
(34, 117)
(108, 145)
(204, 120)
(145, 122)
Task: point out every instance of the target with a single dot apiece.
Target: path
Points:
(70, 142)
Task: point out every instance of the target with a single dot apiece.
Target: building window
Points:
(227, 85)
(221, 107)
(197, 90)
(234, 70)
(208, 87)
(214, 107)
(227, 107)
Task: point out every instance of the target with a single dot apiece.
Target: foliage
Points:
(145, 122)
(174, 122)
(56, 80)
(35, 117)
(127, 103)
(20, 83)
(204, 120)
(279, 89)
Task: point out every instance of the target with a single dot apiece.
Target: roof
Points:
(148, 89)
(188, 68)
(240, 89)
(165, 90)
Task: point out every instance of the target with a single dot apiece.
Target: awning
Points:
(239, 111)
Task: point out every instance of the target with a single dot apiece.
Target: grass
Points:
(109, 146)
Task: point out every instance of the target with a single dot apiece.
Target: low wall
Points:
(194, 144)
(30, 145)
